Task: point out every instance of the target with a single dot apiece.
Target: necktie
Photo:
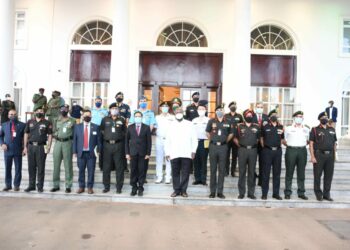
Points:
(13, 130)
(259, 119)
(86, 137)
(138, 130)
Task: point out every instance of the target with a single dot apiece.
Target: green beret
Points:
(220, 106)
(322, 114)
(163, 104)
(298, 113)
(274, 111)
(232, 103)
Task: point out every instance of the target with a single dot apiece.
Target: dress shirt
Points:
(296, 136)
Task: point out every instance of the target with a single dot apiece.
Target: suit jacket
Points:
(14, 147)
(264, 117)
(78, 139)
(334, 114)
(138, 144)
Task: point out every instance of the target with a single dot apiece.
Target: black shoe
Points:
(328, 198)
(277, 197)
(196, 182)
(126, 170)
(40, 190)
(174, 194)
(140, 193)
(252, 197)
(54, 189)
(106, 190)
(233, 174)
(264, 197)
(241, 196)
(319, 198)
(221, 196)
(184, 194)
(212, 195)
(28, 189)
(68, 190)
(16, 189)
(287, 197)
(204, 183)
(133, 192)
(119, 191)
(303, 197)
(7, 189)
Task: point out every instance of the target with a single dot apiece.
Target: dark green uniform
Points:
(191, 112)
(53, 109)
(63, 150)
(324, 141)
(248, 138)
(6, 106)
(40, 101)
(113, 133)
(219, 132)
(37, 138)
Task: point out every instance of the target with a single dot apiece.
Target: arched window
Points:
(94, 33)
(271, 37)
(182, 34)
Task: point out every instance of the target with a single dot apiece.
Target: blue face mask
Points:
(298, 120)
(98, 104)
(165, 109)
(219, 114)
(143, 105)
(138, 120)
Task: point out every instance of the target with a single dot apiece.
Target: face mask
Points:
(175, 107)
(219, 114)
(87, 118)
(298, 120)
(74, 103)
(13, 118)
(165, 109)
(324, 121)
(98, 104)
(248, 119)
(39, 115)
(64, 113)
(138, 120)
(143, 105)
(114, 112)
(195, 99)
(179, 116)
(119, 99)
(233, 109)
(201, 113)
(53, 96)
(259, 110)
(273, 118)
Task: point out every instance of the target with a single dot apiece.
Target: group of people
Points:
(184, 140)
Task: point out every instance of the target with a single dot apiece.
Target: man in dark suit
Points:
(6, 105)
(86, 142)
(138, 147)
(11, 141)
(332, 113)
(262, 119)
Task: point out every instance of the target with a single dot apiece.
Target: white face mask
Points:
(179, 116)
(165, 110)
(298, 120)
(201, 113)
(259, 110)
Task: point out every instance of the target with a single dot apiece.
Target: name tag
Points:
(219, 132)
(64, 130)
(14, 134)
(94, 132)
(113, 129)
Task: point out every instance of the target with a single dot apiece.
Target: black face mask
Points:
(39, 115)
(119, 99)
(195, 99)
(233, 109)
(53, 96)
(248, 119)
(273, 118)
(324, 121)
(87, 118)
(64, 113)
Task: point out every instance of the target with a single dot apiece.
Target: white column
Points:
(120, 50)
(6, 47)
(239, 89)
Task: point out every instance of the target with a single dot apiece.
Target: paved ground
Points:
(58, 224)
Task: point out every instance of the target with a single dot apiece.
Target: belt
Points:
(202, 139)
(325, 152)
(112, 141)
(218, 143)
(248, 147)
(296, 147)
(273, 148)
(64, 139)
(35, 143)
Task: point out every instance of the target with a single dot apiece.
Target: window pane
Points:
(274, 95)
(346, 38)
(265, 94)
(76, 89)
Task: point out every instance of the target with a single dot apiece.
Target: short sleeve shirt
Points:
(38, 131)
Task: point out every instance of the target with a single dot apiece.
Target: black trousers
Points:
(324, 165)
(246, 160)
(217, 158)
(36, 165)
(261, 164)
(232, 149)
(200, 162)
(112, 156)
(180, 171)
(137, 173)
(100, 158)
(271, 158)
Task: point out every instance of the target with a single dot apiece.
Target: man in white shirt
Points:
(180, 147)
(162, 123)
(296, 137)
(200, 161)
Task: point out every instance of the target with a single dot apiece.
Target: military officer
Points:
(39, 100)
(38, 134)
(6, 106)
(247, 135)
(63, 129)
(219, 132)
(175, 103)
(322, 147)
(235, 118)
(297, 138)
(53, 107)
(191, 110)
(113, 130)
(272, 136)
(124, 109)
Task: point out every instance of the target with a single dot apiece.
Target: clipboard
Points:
(206, 143)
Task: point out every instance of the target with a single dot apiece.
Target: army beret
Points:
(195, 93)
(247, 112)
(220, 106)
(7, 95)
(113, 105)
(119, 93)
(41, 89)
(138, 112)
(232, 103)
(38, 108)
(274, 111)
(298, 113)
(176, 100)
(163, 104)
(203, 103)
(322, 114)
(143, 98)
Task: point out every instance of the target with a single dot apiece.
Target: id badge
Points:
(14, 134)
(64, 130)
(219, 132)
(113, 129)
